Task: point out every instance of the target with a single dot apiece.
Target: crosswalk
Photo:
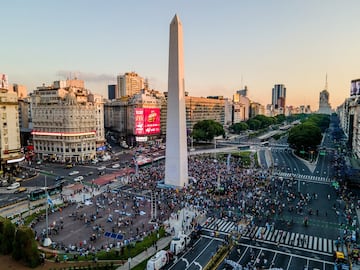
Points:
(285, 238)
(305, 177)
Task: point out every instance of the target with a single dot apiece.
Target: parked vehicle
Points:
(106, 157)
(115, 166)
(158, 261)
(95, 161)
(179, 243)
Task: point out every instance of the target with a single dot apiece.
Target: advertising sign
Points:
(147, 121)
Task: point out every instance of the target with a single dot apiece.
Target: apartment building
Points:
(10, 147)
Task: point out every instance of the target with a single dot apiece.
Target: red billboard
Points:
(147, 121)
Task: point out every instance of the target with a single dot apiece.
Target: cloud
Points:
(86, 76)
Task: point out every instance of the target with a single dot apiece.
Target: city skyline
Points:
(253, 43)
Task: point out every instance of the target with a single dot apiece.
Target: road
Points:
(197, 256)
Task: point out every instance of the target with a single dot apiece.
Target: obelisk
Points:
(176, 158)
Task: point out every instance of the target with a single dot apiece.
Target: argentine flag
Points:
(50, 202)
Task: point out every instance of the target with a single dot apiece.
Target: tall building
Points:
(324, 105)
(10, 147)
(242, 92)
(278, 100)
(113, 93)
(68, 122)
(129, 84)
(176, 158)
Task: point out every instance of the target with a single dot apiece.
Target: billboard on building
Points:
(4, 84)
(355, 87)
(147, 121)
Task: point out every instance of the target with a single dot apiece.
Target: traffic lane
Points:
(200, 246)
(203, 258)
(281, 260)
(319, 265)
(249, 255)
(265, 258)
(203, 246)
(297, 263)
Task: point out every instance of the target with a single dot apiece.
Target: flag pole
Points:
(47, 240)
(46, 210)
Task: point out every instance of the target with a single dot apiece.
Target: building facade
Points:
(113, 93)
(10, 146)
(324, 105)
(129, 84)
(68, 123)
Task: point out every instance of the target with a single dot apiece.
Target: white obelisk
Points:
(176, 162)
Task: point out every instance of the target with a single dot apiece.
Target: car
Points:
(101, 168)
(20, 190)
(90, 173)
(115, 166)
(13, 186)
(79, 178)
(73, 173)
(95, 161)
(59, 177)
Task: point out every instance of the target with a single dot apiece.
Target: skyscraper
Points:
(176, 162)
(278, 96)
(129, 84)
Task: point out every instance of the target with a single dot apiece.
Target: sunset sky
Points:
(227, 44)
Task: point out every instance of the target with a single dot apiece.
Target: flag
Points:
(49, 200)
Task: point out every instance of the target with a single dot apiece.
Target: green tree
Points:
(304, 136)
(25, 247)
(254, 124)
(206, 130)
(7, 234)
(237, 128)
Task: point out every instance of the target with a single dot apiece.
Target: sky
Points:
(227, 44)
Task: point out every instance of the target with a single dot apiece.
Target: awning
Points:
(15, 160)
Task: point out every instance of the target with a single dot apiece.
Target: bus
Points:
(265, 143)
(40, 193)
(244, 147)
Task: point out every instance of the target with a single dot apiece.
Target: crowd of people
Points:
(221, 187)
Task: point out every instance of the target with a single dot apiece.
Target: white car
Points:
(73, 173)
(79, 178)
(13, 186)
(115, 166)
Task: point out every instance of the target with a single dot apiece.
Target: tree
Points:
(206, 130)
(7, 234)
(304, 136)
(254, 124)
(25, 247)
(237, 128)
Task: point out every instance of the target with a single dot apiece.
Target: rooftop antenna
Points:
(326, 82)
